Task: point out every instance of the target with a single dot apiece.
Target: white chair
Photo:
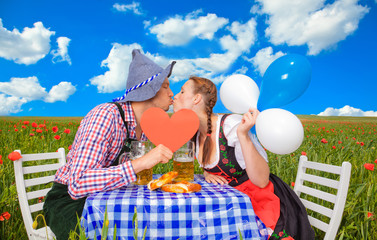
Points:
(303, 179)
(45, 175)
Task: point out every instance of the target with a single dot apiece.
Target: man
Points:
(101, 139)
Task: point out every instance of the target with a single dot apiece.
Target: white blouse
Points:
(230, 131)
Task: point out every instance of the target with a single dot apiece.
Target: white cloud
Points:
(240, 40)
(60, 92)
(19, 91)
(10, 104)
(245, 36)
(256, 9)
(348, 111)
(133, 7)
(61, 54)
(221, 78)
(312, 22)
(27, 47)
(264, 57)
(118, 61)
(27, 88)
(242, 37)
(180, 30)
(148, 23)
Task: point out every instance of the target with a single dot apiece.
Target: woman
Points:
(229, 153)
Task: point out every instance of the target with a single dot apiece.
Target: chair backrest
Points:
(31, 181)
(308, 184)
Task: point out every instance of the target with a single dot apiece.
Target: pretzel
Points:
(166, 183)
(181, 187)
(164, 179)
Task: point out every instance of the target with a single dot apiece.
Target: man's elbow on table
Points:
(75, 193)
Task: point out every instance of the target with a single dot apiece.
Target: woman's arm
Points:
(256, 166)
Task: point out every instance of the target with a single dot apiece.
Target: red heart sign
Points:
(172, 132)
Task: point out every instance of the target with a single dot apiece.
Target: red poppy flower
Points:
(361, 144)
(222, 147)
(292, 184)
(339, 142)
(324, 140)
(55, 129)
(26, 122)
(23, 126)
(303, 153)
(34, 125)
(31, 134)
(57, 137)
(39, 130)
(5, 215)
(1, 160)
(13, 156)
(225, 161)
(374, 160)
(69, 147)
(67, 131)
(16, 130)
(369, 166)
(370, 214)
(333, 147)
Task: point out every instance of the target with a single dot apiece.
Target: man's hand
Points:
(159, 154)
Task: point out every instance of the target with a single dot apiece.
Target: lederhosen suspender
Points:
(127, 142)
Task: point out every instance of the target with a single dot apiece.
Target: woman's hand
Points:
(210, 178)
(248, 121)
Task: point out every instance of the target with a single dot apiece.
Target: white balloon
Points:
(239, 93)
(279, 131)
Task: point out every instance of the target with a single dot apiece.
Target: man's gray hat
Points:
(144, 78)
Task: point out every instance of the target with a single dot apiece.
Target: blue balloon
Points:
(284, 81)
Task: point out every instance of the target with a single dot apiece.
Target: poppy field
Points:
(329, 140)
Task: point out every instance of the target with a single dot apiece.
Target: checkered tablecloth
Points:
(216, 212)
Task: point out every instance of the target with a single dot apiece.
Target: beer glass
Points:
(183, 162)
(138, 149)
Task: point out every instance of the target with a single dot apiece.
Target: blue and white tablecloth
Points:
(216, 212)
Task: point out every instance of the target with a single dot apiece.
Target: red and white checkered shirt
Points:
(97, 143)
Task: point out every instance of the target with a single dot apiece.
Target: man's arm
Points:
(96, 145)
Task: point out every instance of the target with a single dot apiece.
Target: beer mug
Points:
(183, 162)
(139, 149)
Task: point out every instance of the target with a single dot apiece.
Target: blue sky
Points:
(62, 58)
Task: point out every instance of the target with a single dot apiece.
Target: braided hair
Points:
(208, 90)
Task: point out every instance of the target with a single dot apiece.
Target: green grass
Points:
(354, 139)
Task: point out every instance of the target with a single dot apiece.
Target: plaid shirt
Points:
(97, 143)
